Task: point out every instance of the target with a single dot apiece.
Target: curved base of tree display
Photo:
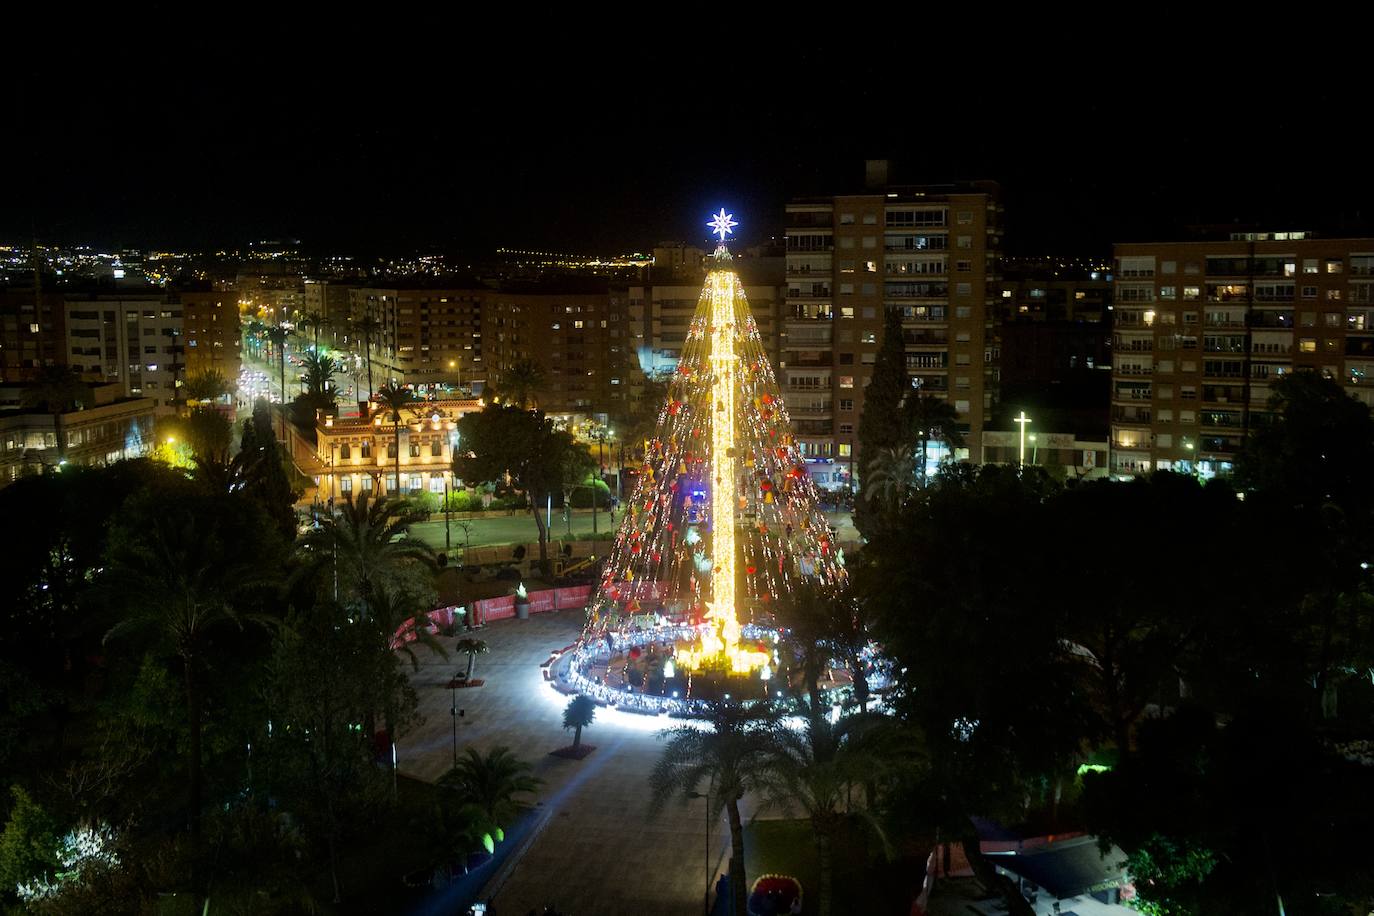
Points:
(574, 753)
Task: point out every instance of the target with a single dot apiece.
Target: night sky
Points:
(364, 148)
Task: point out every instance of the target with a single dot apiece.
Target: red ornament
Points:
(751, 569)
(768, 399)
(634, 652)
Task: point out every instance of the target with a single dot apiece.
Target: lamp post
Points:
(706, 895)
(1022, 421)
(1035, 450)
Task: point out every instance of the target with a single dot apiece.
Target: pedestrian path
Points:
(598, 851)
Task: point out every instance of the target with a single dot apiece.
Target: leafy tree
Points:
(58, 389)
(208, 433)
(522, 383)
(271, 484)
(880, 424)
(578, 714)
(1207, 815)
(503, 440)
(324, 679)
(490, 782)
(181, 565)
(732, 756)
(1305, 469)
(976, 636)
(29, 844)
(258, 865)
(472, 648)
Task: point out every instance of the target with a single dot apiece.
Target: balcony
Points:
(812, 411)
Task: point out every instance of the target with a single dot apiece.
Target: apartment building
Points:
(33, 331)
(581, 339)
(109, 428)
(659, 316)
(429, 334)
(931, 252)
(134, 339)
(212, 331)
(1202, 329)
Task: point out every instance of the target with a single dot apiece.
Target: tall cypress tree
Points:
(880, 424)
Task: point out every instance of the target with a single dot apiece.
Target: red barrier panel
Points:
(572, 597)
(542, 601)
(490, 609)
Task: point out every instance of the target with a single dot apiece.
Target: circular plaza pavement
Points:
(595, 849)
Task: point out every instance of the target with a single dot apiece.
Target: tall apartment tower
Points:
(931, 252)
(1202, 329)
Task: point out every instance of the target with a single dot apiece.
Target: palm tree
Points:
(578, 714)
(491, 782)
(180, 579)
(522, 382)
(891, 474)
(369, 328)
(817, 771)
(473, 648)
(929, 418)
(395, 399)
(313, 323)
(58, 389)
(279, 334)
(318, 375)
(253, 331)
(733, 756)
(366, 542)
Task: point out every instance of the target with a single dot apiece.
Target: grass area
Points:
(862, 880)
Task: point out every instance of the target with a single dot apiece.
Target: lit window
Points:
(846, 381)
(846, 449)
(1308, 345)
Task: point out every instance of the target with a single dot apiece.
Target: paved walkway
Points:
(598, 850)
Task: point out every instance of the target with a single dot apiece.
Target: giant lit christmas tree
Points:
(723, 524)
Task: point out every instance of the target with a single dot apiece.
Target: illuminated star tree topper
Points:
(722, 224)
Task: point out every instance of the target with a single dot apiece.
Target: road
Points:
(520, 528)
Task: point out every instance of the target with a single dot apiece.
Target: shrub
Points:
(582, 496)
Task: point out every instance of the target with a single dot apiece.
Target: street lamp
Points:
(706, 895)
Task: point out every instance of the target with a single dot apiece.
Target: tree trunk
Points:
(472, 657)
(397, 432)
(737, 885)
(990, 879)
(861, 692)
(577, 737)
(193, 723)
(543, 534)
(368, 347)
(826, 868)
